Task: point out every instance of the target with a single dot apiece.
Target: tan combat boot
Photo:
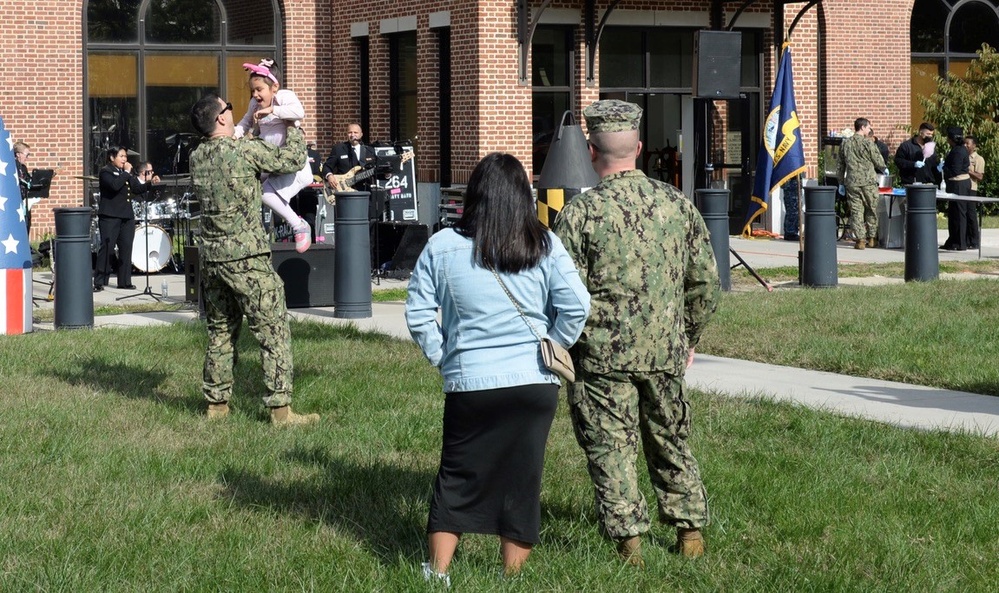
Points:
(630, 551)
(689, 542)
(861, 244)
(872, 242)
(218, 411)
(284, 416)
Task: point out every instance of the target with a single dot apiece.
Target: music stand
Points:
(145, 218)
(41, 181)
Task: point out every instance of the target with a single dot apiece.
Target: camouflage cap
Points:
(612, 115)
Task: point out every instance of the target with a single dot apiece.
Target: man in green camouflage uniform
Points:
(642, 250)
(859, 163)
(236, 272)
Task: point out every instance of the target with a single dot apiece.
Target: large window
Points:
(402, 86)
(148, 61)
(552, 59)
(653, 67)
(944, 36)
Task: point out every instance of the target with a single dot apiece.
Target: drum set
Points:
(167, 218)
(160, 221)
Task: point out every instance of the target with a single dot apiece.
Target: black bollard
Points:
(713, 204)
(72, 273)
(819, 264)
(352, 259)
(922, 262)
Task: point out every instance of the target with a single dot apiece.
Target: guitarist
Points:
(347, 155)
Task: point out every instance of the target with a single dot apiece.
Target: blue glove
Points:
(920, 164)
(940, 167)
(841, 190)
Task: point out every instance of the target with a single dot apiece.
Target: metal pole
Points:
(819, 264)
(922, 261)
(713, 204)
(352, 258)
(73, 276)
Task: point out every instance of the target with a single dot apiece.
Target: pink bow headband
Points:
(262, 69)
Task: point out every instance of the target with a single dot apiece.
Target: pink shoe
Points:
(303, 238)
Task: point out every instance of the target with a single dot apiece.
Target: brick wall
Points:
(858, 74)
(43, 43)
(865, 74)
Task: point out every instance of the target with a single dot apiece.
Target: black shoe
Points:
(98, 288)
(127, 287)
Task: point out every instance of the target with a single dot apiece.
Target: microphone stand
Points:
(145, 229)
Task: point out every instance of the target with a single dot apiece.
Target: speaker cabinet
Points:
(398, 246)
(308, 277)
(717, 64)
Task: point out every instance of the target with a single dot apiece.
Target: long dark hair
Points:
(500, 217)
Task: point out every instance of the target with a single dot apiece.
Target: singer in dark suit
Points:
(350, 154)
(116, 218)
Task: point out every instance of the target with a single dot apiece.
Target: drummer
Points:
(147, 174)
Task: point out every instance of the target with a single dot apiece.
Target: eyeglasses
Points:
(228, 107)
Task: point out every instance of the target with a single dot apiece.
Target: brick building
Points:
(460, 78)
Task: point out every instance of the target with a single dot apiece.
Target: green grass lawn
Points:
(111, 479)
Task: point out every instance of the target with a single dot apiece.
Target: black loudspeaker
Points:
(308, 277)
(717, 64)
(399, 245)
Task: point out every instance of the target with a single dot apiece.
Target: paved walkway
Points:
(883, 401)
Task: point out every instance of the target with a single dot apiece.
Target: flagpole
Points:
(801, 225)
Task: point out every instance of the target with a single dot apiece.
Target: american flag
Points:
(15, 251)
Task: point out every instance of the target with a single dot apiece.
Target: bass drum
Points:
(154, 255)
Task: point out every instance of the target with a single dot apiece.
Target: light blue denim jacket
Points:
(481, 341)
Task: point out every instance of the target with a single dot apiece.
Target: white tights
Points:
(283, 209)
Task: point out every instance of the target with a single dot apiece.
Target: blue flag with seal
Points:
(781, 154)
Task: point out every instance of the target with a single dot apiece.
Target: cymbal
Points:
(85, 177)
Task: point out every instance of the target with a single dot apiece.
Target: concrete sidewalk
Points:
(882, 401)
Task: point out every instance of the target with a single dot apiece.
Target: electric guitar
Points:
(346, 181)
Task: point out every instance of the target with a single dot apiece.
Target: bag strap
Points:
(517, 305)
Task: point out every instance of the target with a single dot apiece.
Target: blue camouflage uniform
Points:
(859, 162)
(237, 275)
(643, 253)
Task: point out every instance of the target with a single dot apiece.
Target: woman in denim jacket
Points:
(500, 399)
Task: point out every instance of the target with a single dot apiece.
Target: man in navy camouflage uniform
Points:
(642, 250)
(236, 272)
(859, 164)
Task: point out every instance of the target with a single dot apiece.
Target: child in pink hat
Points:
(270, 111)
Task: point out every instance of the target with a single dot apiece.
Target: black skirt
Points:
(492, 457)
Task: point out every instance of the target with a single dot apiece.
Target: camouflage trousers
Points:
(863, 203)
(609, 412)
(252, 288)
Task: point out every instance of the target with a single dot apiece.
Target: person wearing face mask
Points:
(270, 112)
(916, 158)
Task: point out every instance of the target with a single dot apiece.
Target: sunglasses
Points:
(228, 107)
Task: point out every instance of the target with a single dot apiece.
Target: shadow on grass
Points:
(128, 381)
(379, 503)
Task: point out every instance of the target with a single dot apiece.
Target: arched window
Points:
(148, 61)
(944, 35)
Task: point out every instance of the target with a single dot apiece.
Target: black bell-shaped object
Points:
(567, 170)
